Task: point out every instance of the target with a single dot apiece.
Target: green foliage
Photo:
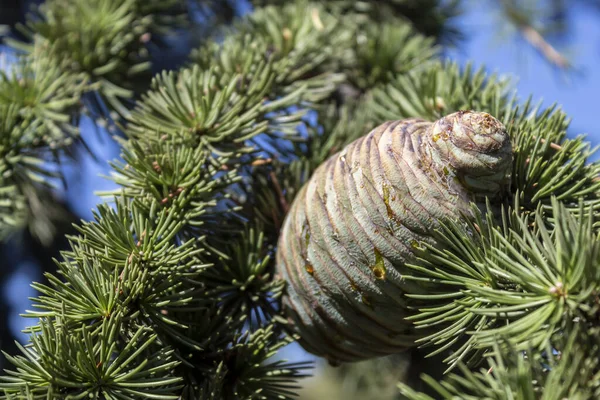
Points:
(511, 281)
(301, 45)
(43, 98)
(125, 262)
(13, 208)
(570, 373)
(243, 280)
(105, 39)
(166, 260)
(245, 87)
(37, 125)
(384, 51)
(256, 376)
(76, 47)
(93, 362)
(190, 107)
(171, 291)
(431, 17)
(175, 177)
(301, 38)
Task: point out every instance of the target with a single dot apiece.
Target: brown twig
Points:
(553, 145)
(261, 161)
(282, 200)
(316, 19)
(534, 38)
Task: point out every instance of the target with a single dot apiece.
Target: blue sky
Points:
(577, 93)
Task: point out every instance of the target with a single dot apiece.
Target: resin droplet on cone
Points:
(356, 222)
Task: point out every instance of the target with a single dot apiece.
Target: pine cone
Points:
(357, 221)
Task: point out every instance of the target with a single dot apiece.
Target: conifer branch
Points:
(171, 292)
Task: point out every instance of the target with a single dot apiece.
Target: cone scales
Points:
(356, 222)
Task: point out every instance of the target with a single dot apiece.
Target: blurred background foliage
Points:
(161, 35)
